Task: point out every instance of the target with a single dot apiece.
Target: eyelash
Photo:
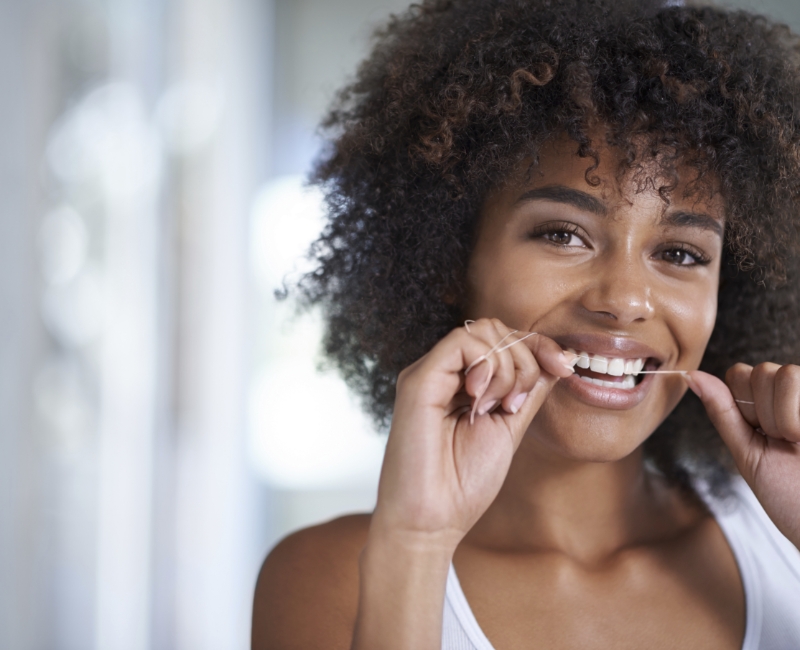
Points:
(700, 258)
(555, 229)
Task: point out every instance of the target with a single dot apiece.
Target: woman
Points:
(596, 188)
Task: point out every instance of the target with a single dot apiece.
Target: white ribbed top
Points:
(768, 563)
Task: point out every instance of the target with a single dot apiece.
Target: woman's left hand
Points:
(757, 413)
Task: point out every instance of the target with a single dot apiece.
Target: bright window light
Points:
(306, 430)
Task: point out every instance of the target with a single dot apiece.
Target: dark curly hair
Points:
(458, 93)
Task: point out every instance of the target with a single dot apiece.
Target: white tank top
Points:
(768, 563)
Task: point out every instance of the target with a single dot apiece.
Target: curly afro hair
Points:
(458, 93)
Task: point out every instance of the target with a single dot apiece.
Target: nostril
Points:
(607, 314)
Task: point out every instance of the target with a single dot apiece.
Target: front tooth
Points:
(577, 358)
(599, 364)
(628, 382)
(629, 363)
(583, 360)
(637, 366)
(616, 367)
(597, 382)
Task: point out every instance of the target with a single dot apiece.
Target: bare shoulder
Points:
(307, 591)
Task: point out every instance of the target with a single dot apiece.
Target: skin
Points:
(543, 504)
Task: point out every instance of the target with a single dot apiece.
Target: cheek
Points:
(691, 317)
(519, 294)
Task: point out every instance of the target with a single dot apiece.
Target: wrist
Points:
(387, 530)
(402, 585)
(417, 552)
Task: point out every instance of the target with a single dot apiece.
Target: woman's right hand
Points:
(441, 471)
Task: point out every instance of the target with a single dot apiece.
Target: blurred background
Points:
(162, 419)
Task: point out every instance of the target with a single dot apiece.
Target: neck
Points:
(586, 510)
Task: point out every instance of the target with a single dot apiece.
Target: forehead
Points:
(653, 182)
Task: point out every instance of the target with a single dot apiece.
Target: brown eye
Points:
(678, 257)
(559, 234)
(563, 238)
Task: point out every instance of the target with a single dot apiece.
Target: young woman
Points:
(531, 202)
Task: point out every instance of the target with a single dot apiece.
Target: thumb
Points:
(744, 442)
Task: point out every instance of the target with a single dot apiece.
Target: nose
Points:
(619, 290)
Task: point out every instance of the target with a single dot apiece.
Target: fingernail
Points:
(518, 401)
(568, 360)
(488, 406)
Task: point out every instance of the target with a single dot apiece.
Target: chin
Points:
(587, 439)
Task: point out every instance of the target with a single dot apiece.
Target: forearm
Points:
(402, 587)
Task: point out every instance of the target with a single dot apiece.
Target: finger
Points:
(745, 444)
(503, 378)
(527, 372)
(787, 402)
(482, 371)
(738, 380)
(550, 356)
(438, 377)
(762, 381)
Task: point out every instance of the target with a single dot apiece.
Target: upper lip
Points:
(606, 345)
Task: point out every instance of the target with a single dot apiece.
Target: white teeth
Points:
(627, 368)
(626, 384)
(599, 364)
(616, 367)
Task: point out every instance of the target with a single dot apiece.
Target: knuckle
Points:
(479, 328)
(737, 372)
(763, 371)
(789, 373)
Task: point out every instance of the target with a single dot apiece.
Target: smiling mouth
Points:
(611, 372)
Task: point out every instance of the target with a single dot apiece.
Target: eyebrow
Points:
(693, 220)
(589, 203)
(568, 195)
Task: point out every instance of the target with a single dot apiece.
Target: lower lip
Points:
(618, 399)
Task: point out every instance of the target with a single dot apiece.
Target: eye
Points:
(683, 256)
(563, 235)
(563, 238)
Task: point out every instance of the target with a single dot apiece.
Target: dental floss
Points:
(484, 357)
(527, 336)
(499, 347)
